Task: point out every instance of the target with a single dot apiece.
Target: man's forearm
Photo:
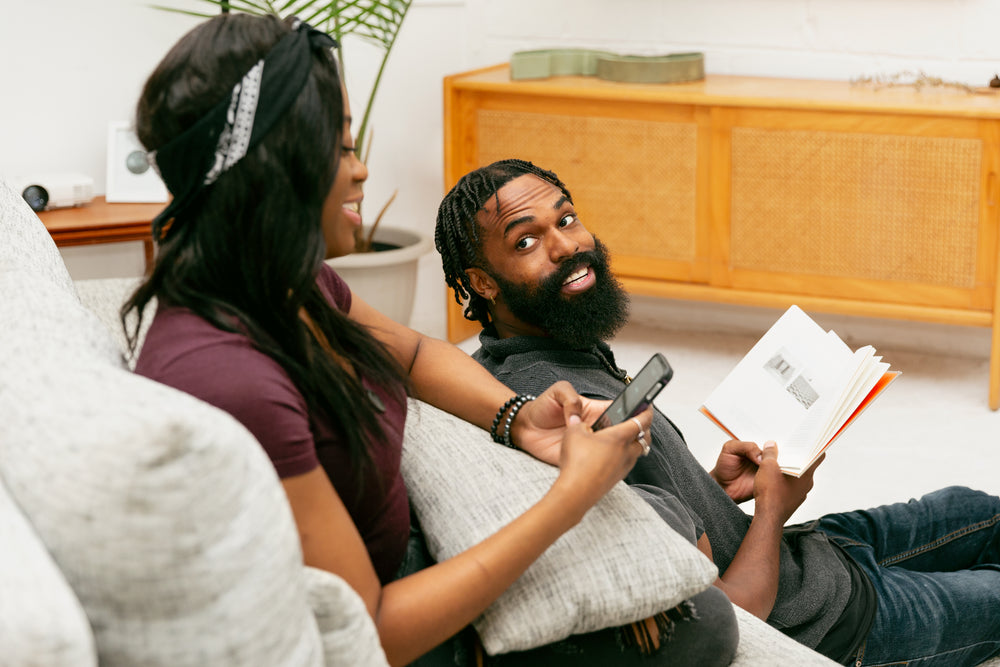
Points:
(751, 580)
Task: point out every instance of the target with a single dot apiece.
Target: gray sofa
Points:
(141, 526)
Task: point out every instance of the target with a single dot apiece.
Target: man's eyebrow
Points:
(529, 218)
(514, 223)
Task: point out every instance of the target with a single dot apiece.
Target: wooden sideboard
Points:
(101, 222)
(760, 191)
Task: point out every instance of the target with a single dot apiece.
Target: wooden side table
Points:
(101, 222)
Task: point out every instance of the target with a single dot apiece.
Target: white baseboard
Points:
(884, 334)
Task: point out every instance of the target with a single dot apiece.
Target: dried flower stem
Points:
(917, 80)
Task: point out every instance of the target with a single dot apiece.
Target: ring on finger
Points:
(641, 437)
(642, 442)
(636, 421)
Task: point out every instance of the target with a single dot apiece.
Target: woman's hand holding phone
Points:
(591, 462)
(638, 394)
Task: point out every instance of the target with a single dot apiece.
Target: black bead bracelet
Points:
(510, 408)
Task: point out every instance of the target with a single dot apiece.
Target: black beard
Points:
(578, 321)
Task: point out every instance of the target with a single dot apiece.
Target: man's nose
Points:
(562, 247)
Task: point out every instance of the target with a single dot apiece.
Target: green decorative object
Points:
(670, 68)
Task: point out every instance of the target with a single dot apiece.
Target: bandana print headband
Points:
(195, 159)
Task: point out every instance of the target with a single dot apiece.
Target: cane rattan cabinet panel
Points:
(767, 192)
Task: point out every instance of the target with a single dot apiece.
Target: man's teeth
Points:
(352, 206)
(576, 275)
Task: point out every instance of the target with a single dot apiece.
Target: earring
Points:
(493, 300)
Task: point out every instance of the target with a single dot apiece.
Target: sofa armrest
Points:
(760, 644)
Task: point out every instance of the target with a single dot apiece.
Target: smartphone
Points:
(637, 394)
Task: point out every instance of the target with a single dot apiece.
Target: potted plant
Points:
(383, 267)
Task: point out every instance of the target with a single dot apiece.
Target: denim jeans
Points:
(935, 566)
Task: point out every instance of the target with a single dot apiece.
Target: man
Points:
(913, 581)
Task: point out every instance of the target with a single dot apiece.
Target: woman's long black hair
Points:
(247, 256)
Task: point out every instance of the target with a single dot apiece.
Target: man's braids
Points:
(456, 234)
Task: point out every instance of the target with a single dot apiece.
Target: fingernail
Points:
(574, 419)
(769, 444)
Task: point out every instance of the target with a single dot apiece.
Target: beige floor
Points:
(930, 429)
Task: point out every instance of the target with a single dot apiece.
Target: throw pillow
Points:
(622, 563)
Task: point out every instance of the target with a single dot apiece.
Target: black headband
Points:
(192, 161)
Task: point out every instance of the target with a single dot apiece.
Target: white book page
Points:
(781, 388)
(873, 371)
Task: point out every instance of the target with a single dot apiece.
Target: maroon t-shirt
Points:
(186, 352)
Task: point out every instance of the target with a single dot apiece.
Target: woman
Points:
(248, 124)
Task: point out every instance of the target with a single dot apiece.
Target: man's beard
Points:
(577, 320)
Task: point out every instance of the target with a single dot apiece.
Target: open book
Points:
(799, 386)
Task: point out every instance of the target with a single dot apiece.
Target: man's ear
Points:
(482, 283)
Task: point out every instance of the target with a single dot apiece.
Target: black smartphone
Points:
(637, 394)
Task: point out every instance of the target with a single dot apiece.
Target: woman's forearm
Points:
(448, 378)
(422, 610)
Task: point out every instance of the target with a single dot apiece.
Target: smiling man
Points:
(911, 581)
(535, 271)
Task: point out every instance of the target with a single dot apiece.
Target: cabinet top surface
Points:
(99, 214)
(743, 91)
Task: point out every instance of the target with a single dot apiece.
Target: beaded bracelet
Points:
(496, 420)
(518, 404)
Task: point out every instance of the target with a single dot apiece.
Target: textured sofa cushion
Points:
(25, 245)
(163, 513)
(41, 621)
(760, 644)
(104, 298)
(622, 563)
(347, 631)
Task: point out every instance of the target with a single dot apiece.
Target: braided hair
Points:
(456, 234)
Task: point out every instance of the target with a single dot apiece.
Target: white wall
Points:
(70, 67)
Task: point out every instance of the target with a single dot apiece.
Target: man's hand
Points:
(736, 468)
(775, 493)
(541, 424)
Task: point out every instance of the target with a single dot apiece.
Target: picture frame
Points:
(130, 177)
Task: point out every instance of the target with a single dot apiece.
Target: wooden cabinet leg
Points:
(995, 363)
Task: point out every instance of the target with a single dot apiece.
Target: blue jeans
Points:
(935, 566)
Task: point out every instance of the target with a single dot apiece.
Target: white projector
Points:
(46, 191)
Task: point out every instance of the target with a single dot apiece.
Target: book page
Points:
(773, 388)
(869, 373)
(789, 388)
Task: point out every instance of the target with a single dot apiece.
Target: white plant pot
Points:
(386, 279)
